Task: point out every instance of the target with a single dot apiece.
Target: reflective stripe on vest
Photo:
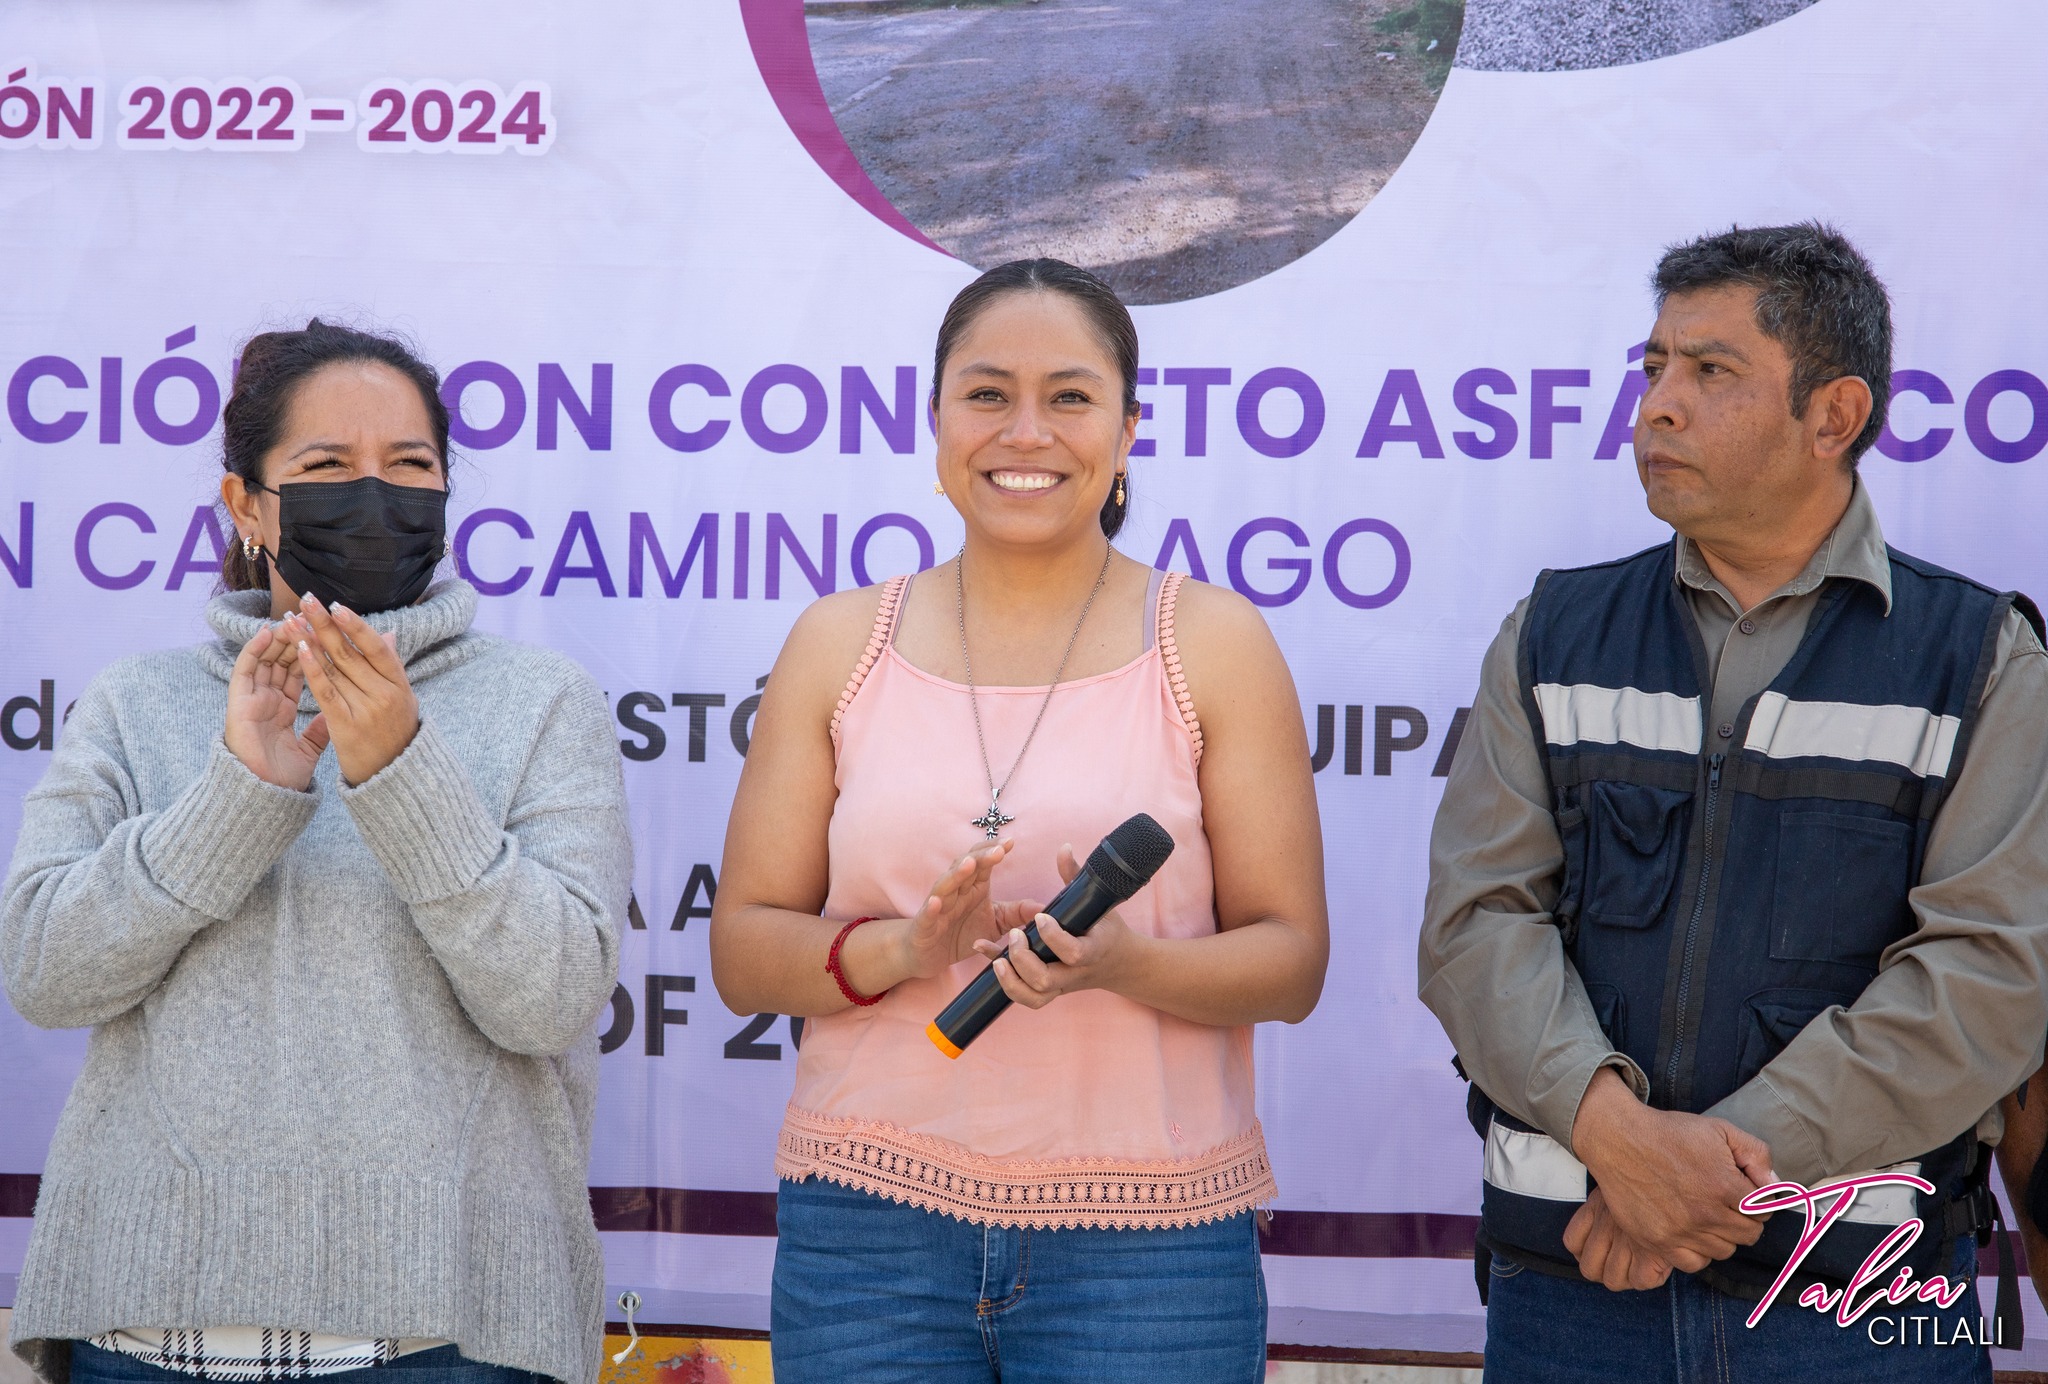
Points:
(1530, 1163)
(1909, 736)
(1585, 712)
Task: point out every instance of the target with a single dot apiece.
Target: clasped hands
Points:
(1670, 1186)
(367, 707)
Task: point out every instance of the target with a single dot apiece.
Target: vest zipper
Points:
(1692, 928)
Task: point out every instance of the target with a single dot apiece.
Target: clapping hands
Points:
(368, 710)
(956, 914)
(1088, 962)
(263, 709)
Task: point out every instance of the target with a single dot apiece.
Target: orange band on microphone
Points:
(940, 1040)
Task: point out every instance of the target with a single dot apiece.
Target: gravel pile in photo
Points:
(1561, 35)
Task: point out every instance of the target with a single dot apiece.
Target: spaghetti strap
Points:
(878, 639)
(1169, 656)
(896, 608)
(1152, 586)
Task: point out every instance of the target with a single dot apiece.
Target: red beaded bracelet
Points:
(838, 973)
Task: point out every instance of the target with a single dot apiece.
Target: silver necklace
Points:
(995, 819)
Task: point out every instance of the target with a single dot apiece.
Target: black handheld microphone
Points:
(1115, 870)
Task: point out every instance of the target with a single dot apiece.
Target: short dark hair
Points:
(273, 366)
(1105, 311)
(1816, 295)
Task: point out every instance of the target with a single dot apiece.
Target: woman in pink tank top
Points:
(1070, 1197)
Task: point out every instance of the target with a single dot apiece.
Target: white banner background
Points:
(676, 220)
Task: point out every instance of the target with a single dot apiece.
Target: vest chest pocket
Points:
(1840, 892)
(1623, 846)
(1610, 1007)
(1774, 1019)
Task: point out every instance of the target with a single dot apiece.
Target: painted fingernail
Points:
(339, 609)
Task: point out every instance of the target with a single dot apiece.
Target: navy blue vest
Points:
(1726, 885)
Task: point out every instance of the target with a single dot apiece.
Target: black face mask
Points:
(366, 544)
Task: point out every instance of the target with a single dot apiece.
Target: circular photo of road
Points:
(1178, 149)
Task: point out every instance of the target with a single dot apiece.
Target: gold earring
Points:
(938, 487)
(1119, 487)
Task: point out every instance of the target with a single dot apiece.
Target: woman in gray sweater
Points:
(339, 893)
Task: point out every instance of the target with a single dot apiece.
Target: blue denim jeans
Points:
(441, 1365)
(1561, 1331)
(868, 1291)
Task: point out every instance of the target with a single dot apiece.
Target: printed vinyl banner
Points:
(682, 266)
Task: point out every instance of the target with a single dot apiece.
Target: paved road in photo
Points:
(1178, 149)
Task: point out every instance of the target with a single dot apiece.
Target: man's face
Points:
(1717, 447)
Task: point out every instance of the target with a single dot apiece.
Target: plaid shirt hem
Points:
(248, 1354)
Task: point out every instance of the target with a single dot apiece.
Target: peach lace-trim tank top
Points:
(1095, 1110)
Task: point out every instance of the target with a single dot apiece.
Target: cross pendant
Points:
(993, 820)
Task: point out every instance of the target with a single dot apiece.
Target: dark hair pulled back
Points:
(273, 366)
(1105, 312)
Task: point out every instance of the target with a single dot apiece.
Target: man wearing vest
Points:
(1741, 875)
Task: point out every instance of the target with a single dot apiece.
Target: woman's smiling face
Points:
(1031, 421)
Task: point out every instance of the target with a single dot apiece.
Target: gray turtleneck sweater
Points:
(343, 1066)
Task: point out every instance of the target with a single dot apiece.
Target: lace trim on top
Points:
(1099, 1193)
(878, 640)
(1169, 653)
